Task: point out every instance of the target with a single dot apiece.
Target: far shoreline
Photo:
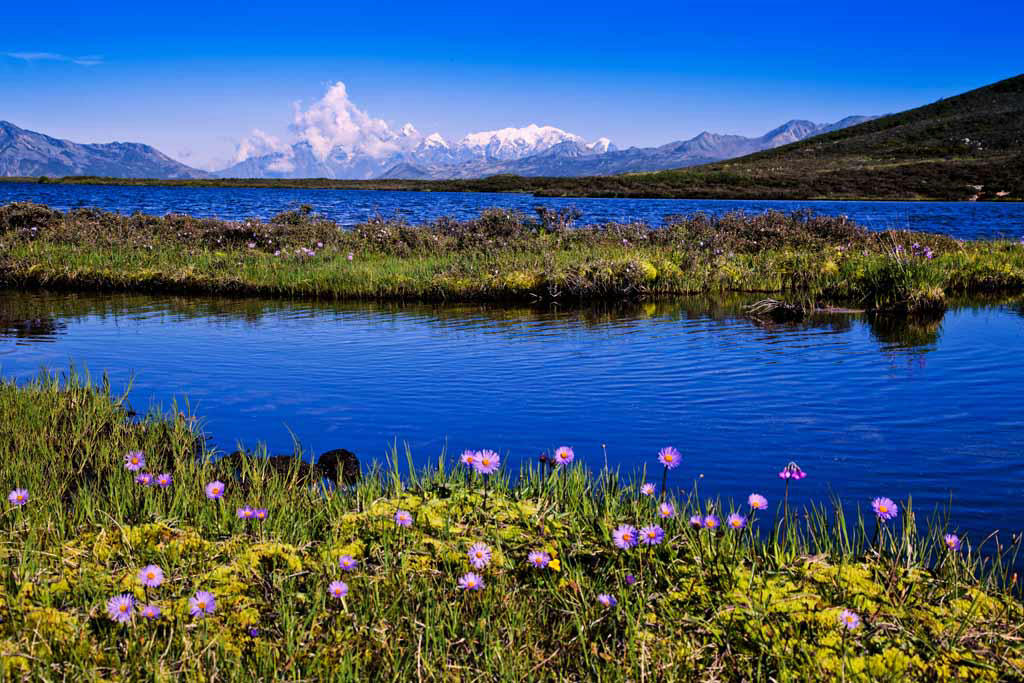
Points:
(530, 186)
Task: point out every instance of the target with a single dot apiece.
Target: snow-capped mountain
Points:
(573, 158)
(532, 151)
(380, 150)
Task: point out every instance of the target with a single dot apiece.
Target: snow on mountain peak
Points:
(409, 131)
(515, 143)
(600, 145)
(435, 140)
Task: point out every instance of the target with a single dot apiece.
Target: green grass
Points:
(728, 606)
(502, 257)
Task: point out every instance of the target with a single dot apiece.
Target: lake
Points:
(866, 406)
(966, 220)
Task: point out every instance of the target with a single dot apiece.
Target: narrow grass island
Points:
(810, 260)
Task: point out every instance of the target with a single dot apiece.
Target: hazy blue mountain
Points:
(27, 153)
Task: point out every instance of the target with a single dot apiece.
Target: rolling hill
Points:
(27, 153)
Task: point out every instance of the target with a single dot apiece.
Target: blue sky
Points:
(194, 79)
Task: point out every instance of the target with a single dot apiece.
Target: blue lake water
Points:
(967, 220)
(867, 407)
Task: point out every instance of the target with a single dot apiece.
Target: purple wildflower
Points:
(884, 508)
(134, 461)
(338, 589)
(151, 612)
(164, 480)
(119, 607)
(652, 535)
(736, 521)
(350, 255)
(630, 579)
(254, 632)
(712, 522)
(347, 562)
(245, 513)
(647, 489)
(403, 518)
(757, 502)
(201, 604)
(471, 582)
(260, 514)
(952, 541)
(487, 462)
(849, 620)
(696, 521)
(479, 555)
(792, 471)
(144, 478)
(666, 510)
(625, 536)
(607, 600)
(468, 458)
(17, 497)
(669, 457)
(564, 455)
(538, 559)
(214, 490)
(151, 576)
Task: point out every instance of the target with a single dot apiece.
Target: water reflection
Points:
(41, 316)
(848, 396)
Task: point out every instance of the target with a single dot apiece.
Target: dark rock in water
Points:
(340, 466)
(776, 311)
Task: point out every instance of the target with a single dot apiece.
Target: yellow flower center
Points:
(150, 575)
(202, 605)
(883, 508)
(19, 497)
(486, 462)
(735, 522)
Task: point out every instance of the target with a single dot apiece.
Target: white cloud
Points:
(335, 120)
(258, 144)
(37, 56)
(85, 60)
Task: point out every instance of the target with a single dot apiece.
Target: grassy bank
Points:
(726, 604)
(501, 257)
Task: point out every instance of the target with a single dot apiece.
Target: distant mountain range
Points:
(405, 154)
(27, 153)
(530, 151)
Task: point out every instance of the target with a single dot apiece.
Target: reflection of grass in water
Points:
(501, 257)
(914, 331)
(743, 605)
(24, 315)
